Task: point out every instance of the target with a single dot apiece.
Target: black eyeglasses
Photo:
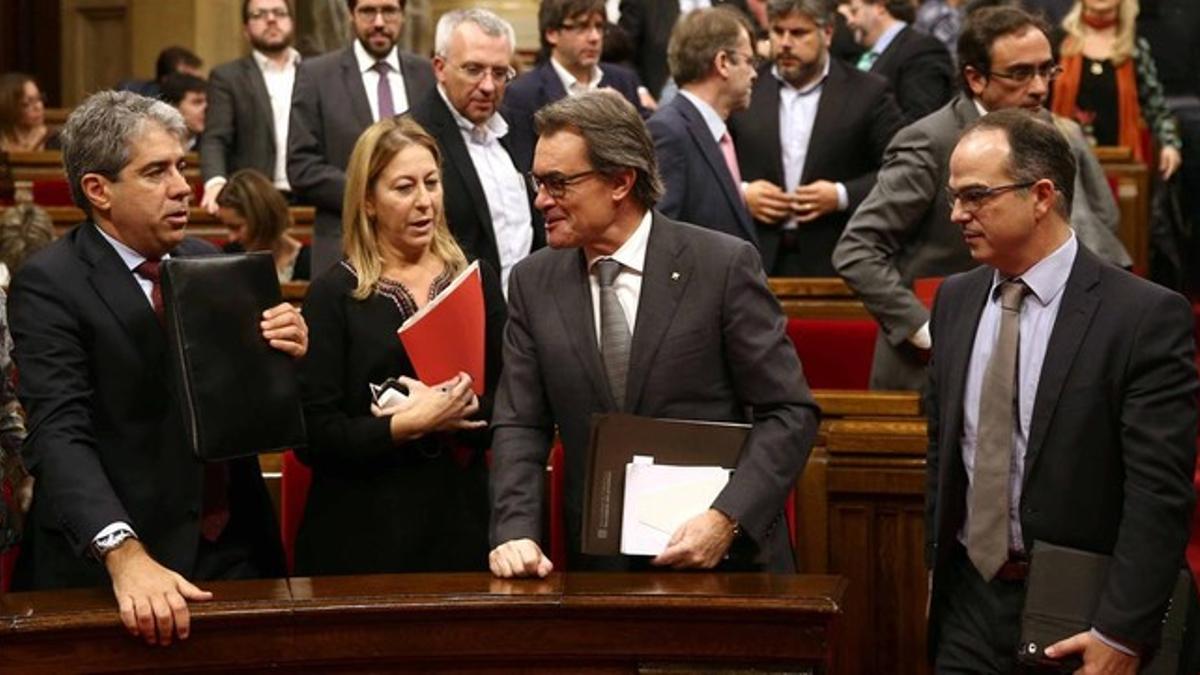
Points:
(556, 184)
(475, 72)
(972, 198)
(753, 59)
(1023, 74)
(280, 13)
(388, 13)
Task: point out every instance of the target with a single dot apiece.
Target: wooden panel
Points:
(817, 298)
(47, 165)
(847, 403)
(96, 47)
(200, 222)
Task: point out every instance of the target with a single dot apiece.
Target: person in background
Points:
(25, 229)
(171, 60)
(1110, 84)
(23, 116)
(16, 485)
(189, 95)
(258, 220)
(402, 488)
(941, 19)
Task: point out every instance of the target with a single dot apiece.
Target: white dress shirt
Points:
(571, 84)
(628, 284)
(797, 115)
(686, 6)
(279, 81)
(370, 79)
(503, 187)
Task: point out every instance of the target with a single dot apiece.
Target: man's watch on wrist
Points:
(104, 545)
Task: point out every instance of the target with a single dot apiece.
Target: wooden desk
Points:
(610, 623)
(826, 298)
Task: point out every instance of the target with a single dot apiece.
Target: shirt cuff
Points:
(843, 197)
(216, 182)
(119, 525)
(1113, 643)
(921, 339)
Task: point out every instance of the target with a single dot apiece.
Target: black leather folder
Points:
(238, 395)
(1063, 588)
(616, 438)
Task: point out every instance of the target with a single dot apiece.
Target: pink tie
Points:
(731, 160)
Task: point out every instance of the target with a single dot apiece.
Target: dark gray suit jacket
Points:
(1112, 442)
(920, 70)
(709, 343)
(329, 112)
(239, 127)
(648, 24)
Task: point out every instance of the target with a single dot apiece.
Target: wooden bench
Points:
(200, 222)
(1131, 187)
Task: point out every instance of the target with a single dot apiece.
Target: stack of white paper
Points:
(661, 497)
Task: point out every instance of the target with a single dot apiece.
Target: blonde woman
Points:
(258, 220)
(1109, 83)
(388, 494)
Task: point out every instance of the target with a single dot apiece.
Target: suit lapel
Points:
(450, 138)
(711, 152)
(257, 87)
(573, 297)
(356, 94)
(666, 274)
(890, 53)
(957, 351)
(551, 85)
(1075, 313)
(120, 292)
(833, 102)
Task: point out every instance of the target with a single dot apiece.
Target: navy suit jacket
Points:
(921, 73)
(699, 187)
(541, 86)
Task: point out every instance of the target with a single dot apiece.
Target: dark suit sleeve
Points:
(672, 162)
(886, 120)
(217, 141)
(768, 379)
(523, 426)
(318, 182)
(926, 82)
(55, 388)
(932, 427)
(1158, 442)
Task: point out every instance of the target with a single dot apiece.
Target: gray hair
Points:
(817, 10)
(488, 22)
(615, 134)
(98, 135)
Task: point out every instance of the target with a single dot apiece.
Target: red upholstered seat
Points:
(836, 353)
(54, 192)
(295, 478)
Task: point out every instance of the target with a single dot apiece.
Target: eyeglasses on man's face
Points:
(279, 13)
(972, 198)
(389, 13)
(555, 183)
(738, 58)
(1023, 74)
(475, 72)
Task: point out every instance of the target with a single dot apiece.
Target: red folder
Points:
(447, 335)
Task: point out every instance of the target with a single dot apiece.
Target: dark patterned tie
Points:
(384, 90)
(150, 271)
(987, 531)
(614, 329)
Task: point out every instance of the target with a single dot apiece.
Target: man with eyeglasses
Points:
(1061, 410)
(810, 142)
(336, 97)
(629, 311)
(487, 202)
(712, 59)
(572, 35)
(902, 232)
(249, 102)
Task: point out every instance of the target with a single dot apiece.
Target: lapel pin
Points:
(674, 276)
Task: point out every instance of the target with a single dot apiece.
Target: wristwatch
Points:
(105, 544)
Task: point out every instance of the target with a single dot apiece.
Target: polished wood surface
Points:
(200, 222)
(817, 298)
(576, 622)
(47, 165)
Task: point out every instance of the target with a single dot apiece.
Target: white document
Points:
(661, 497)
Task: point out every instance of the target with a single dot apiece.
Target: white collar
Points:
(130, 257)
(495, 125)
(632, 253)
(716, 125)
(569, 80)
(267, 65)
(367, 62)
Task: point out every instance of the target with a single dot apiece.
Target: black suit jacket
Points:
(463, 197)
(541, 86)
(106, 438)
(648, 24)
(1112, 442)
(855, 120)
(698, 186)
(709, 343)
(239, 127)
(329, 112)
(920, 70)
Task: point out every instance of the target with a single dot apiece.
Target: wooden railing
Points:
(1133, 201)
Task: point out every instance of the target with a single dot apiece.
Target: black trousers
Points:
(979, 621)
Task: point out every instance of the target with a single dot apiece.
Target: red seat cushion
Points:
(836, 353)
(295, 479)
(53, 192)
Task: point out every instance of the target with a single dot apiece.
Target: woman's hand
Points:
(442, 407)
(1169, 161)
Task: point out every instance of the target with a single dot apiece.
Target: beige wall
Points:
(522, 14)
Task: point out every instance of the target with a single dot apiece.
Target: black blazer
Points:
(462, 194)
(329, 112)
(920, 70)
(856, 118)
(698, 186)
(538, 87)
(1112, 442)
(239, 127)
(106, 440)
(648, 24)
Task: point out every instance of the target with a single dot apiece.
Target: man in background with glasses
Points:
(336, 97)
(711, 55)
(572, 35)
(487, 203)
(249, 102)
(902, 231)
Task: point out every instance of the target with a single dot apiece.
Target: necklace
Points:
(1097, 68)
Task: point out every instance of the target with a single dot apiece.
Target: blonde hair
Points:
(375, 149)
(1123, 45)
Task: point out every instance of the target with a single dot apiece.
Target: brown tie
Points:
(215, 515)
(987, 530)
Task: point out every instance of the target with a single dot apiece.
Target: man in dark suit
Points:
(629, 311)
(487, 201)
(810, 142)
(648, 24)
(917, 65)
(572, 33)
(712, 60)
(249, 102)
(1062, 409)
(336, 97)
(117, 489)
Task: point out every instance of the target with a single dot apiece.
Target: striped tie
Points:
(614, 329)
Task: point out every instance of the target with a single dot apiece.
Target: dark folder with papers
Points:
(616, 438)
(238, 395)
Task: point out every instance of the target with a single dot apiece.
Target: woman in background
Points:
(393, 489)
(258, 220)
(23, 116)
